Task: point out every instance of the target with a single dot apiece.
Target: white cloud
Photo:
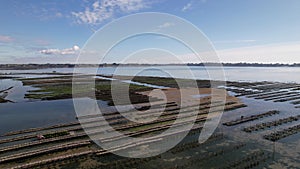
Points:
(187, 7)
(191, 4)
(166, 25)
(68, 51)
(106, 9)
(272, 53)
(6, 39)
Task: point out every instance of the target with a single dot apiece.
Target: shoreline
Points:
(67, 65)
(248, 106)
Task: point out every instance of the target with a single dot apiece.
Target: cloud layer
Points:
(187, 7)
(99, 12)
(272, 53)
(191, 5)
(6, 39)
(68, 51)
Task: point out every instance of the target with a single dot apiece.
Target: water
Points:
(17, 93)
(253, 74)
(132, 82)
(25, 114)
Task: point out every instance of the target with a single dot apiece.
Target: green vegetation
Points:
(50, 92)
(54, 88)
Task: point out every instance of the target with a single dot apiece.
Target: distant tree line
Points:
(48, 65)
(247, 64)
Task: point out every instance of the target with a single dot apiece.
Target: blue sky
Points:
(242, 31)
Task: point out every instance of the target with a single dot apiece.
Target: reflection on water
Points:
(40, 113)
(18, 91)
(23, 115)
(278, 74)
(18, 116)
(286, 149)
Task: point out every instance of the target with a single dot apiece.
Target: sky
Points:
(56, 31)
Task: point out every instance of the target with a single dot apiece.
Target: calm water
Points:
(22, 115)
(25, 113)
(277, 74)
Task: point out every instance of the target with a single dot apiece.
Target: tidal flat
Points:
(258, 129)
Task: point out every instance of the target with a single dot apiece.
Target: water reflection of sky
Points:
(23, 115)
(278, 74)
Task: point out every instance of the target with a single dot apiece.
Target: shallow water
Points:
(17, 93)
(277, 74)
(20, 115)
(286, 149)
(25, 114)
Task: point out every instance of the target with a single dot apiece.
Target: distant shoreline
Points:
(47, 66)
